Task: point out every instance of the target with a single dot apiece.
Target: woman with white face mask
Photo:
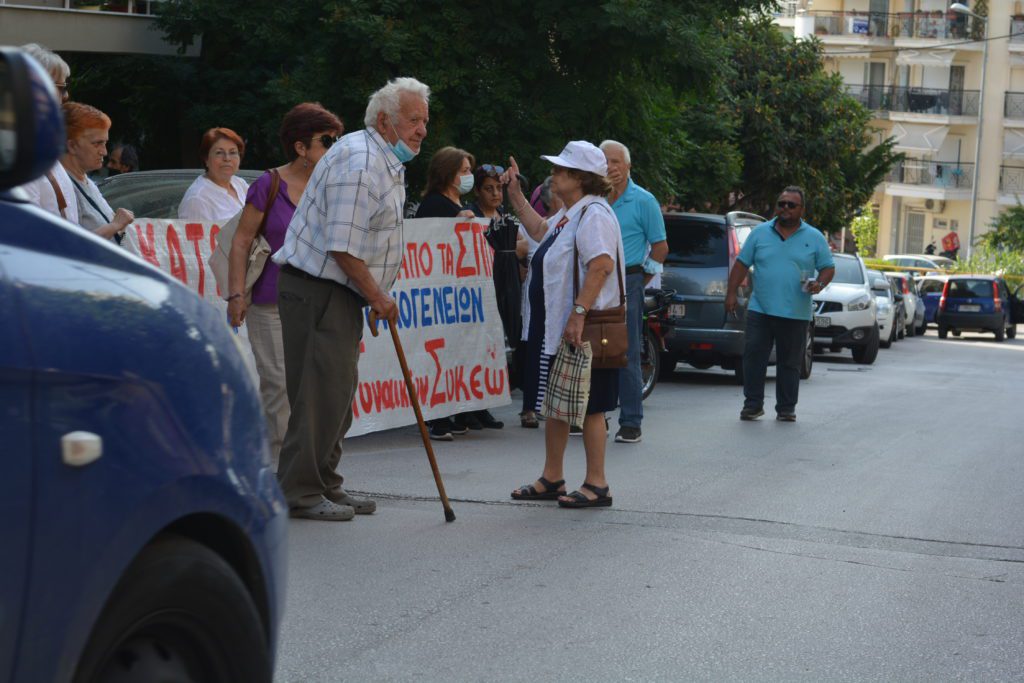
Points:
(449, 176)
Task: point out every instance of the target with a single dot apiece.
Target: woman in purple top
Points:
(307, 132)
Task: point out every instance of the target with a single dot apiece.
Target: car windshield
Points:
(931, 286)
(695, 242)
(848, 272)
(969, 289)
(942, 261)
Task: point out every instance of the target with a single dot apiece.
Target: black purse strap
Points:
(576, 268)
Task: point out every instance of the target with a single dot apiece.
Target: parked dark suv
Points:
(701, 250)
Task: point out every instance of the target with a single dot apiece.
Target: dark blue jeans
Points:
(789, 337)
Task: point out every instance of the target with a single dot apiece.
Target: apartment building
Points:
(918, 66)
(109, 26)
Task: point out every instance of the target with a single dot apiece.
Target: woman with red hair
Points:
(67, 190)
(218, 194)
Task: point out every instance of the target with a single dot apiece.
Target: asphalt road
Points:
(880, 537)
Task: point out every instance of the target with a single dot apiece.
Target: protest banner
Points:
(448, 317)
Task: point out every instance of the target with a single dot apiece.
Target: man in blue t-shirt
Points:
(645, 249)
(791, 261)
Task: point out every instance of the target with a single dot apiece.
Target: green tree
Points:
(798, 126)
(1007, 230)
(520, 78)
(865, 230)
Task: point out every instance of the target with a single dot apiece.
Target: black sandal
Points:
(550, 492)
(581, 501)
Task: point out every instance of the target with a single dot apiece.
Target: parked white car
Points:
(845, 312)
(912, 302)
(890, 312)
(929, 262)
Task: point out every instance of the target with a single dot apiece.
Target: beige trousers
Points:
(264, 323)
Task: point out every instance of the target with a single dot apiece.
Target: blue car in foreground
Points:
(144, 531)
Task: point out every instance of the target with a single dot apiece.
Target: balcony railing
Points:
(1011, 180)
(945, 175)
(940, 25)
(1017, 29)
(853, 24)
(1013, 105)
(787, 8)
(917, 100)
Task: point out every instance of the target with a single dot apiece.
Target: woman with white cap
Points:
(585, 223)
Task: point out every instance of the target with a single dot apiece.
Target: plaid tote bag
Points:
(568, 384)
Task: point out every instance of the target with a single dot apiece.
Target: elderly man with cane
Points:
(342, 251)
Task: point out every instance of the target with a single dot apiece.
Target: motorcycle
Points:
(653, 342)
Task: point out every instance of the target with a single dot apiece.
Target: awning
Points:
(925, 57)
(916, 137)
(1013, 143)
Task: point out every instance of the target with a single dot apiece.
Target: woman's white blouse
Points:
(205, 200)
(597, 233)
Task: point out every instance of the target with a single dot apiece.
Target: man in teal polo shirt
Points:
(645, 248)
(785, 253)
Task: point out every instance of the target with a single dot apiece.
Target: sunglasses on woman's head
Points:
(489, 168)
(787, 205)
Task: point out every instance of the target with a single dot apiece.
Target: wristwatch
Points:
(579, 309)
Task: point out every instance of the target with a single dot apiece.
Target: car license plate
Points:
(822, 321)
(970, 308)
(677, 310)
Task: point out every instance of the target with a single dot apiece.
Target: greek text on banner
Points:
(448, 317)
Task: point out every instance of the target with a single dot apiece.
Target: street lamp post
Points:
(962, 9)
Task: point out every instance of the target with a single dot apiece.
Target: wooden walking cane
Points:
(449, 514)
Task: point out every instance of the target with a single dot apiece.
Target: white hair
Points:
(50, 61)
(387, 99)
(615, 143)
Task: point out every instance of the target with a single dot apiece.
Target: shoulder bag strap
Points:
(61, 202)
(92, 202)
(576, 268)
(275, 186)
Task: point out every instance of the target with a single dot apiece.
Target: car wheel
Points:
(956, 333)
(868, 352)
(1011, 331)
(807, 362)
(943, 331)
(1001, 332)
(890, 339)
(923, 328)
(902, 333)
(650, 359)
(180, 613)
(910, 330)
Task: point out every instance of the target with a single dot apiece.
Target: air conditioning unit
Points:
(936, 205)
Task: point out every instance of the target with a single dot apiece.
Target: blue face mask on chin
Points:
(402, 150)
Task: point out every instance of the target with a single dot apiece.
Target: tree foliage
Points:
(517, 78)
(719, 109)
(1007, 230)
(865, 230)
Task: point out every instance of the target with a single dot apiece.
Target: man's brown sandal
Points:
(551, 490)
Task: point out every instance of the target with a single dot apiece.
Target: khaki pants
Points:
(264, 323)
(322, 325)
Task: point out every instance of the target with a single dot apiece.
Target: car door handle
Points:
(81, 448)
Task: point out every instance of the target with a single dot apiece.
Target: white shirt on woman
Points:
(40, 192)
(88, 216)
(205, 200)
(599, 234)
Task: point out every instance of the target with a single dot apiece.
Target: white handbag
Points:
(259, 250)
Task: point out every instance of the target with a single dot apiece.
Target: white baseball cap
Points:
(581, 155)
